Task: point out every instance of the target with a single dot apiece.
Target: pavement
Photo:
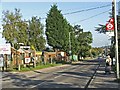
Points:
(102, 80)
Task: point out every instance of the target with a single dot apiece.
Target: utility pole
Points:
(116, 36)
(70, 44)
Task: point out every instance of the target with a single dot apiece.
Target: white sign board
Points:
(24, 46)
(27, 60)
(62, 53)
(5, 49)
(1, 62)
(110, 33)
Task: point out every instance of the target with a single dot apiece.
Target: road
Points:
(66, 76)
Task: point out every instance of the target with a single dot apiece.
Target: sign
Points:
(62, 54)
(27, 60)
(5, 49)
(111, 20)
(110, 26)
(110, 33)
(1, 62)
(24, 46)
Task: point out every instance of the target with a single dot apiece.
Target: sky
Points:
(87, 19)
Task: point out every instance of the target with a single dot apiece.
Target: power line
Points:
(87, 9)
(92, 16)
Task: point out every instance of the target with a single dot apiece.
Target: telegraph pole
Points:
(70, 44)
(116, 36)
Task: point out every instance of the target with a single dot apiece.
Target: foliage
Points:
(57, 29)
(60, 34)
(96, 51)
(84, 39)
(35, 32)
(16, 30)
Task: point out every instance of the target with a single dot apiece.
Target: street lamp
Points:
(70, 51)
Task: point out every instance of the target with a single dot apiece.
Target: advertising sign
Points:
(5, 49)
(27, 60)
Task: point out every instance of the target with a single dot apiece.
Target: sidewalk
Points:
(102, 80)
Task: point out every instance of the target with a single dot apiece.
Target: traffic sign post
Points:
(111, 20)
(110, 26)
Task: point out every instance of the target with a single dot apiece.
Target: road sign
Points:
(111, 20)
(110, 26)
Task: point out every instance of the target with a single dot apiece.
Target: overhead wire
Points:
(92, 16)
(89, 9)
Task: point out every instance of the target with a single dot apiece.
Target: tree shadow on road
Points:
(21, 81)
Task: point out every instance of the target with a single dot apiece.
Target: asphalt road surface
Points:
(66, 76)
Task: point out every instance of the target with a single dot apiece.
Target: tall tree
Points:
(57, 29)
(84, 39)
(35, 32)
(14, 28)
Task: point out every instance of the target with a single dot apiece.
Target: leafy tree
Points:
(35, 32)
(14, 28)
(57, 29)
(84, 39)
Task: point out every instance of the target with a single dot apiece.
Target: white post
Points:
(70, 45)
(116, 39)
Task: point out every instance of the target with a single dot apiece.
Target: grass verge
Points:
(28, 68)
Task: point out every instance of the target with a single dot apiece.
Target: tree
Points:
(84, 39)
(81, 41)
(14, 28)
(35, 32)
(57, 29)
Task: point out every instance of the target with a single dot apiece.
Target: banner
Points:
(5, 49)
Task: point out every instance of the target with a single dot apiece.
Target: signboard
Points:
(27, 60)
(1, 62)
(111, 20)
(24, 46)
(5, 49)
(62, 53)
(110, 26)
(110, 33)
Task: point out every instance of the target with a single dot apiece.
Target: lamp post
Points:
(70, 52)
